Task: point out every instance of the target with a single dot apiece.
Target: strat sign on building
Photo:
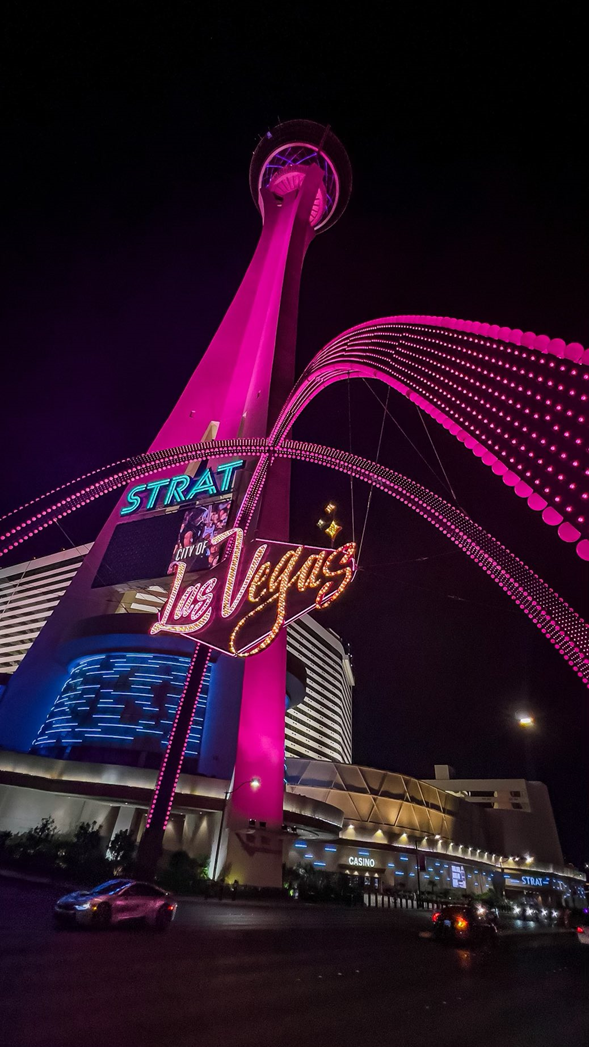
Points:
(178, 490)
(259, 586)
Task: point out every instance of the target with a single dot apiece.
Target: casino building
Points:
(118, 705)
(392, 831)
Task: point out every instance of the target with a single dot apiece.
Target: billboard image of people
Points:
(199, 525)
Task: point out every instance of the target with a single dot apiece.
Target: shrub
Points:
(35, 850)
(183, 875)
(121, 851)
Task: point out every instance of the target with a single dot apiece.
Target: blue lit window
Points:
(330, 848)
(319, 863)
(365, 853)
(300, 844)
(403, 857)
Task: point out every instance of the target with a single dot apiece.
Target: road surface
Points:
(275, 976)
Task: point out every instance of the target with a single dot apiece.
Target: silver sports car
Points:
(115, 901)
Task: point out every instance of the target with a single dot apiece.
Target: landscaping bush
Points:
(121, 850)
(183, 874)
(43, 851)
(314, 885)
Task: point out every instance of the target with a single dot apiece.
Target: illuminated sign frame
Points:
(239, 607)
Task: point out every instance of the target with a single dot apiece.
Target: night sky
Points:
(127, 226)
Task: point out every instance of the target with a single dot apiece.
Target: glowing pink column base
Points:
(260, 745)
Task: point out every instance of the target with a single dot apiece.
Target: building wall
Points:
(29, 592)
(321, 726)
(519, 815)
(381, 806)
(121, 699)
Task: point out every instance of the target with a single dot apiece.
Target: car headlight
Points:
(84, 905)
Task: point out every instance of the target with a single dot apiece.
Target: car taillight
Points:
(460, 923)
(436, 917)
(170, 908)
(580, 930)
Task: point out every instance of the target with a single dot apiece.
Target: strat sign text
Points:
(179, 490)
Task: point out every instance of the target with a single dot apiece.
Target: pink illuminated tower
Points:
(300, 179)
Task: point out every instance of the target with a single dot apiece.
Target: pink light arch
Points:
(500, 392)
(561, 625)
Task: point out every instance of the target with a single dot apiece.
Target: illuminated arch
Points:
(519, 402)
(565, 629)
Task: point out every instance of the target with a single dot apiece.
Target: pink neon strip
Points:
(172, 733)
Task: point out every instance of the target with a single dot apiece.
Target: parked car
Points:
(582, 926)
(464, 924)
(115, 901)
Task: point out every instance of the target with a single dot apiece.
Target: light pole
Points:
(255, 784)
(417, 873)
(527, 723)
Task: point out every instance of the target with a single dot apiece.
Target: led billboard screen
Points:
(458, 876)
(148, 546)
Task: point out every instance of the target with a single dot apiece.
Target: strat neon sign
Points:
(259, 586)
(176, 490)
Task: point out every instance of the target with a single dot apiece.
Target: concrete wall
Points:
(22, 809)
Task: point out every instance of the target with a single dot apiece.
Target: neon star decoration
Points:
(333, 530)
(240, 606)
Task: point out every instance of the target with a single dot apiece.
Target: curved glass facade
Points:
(120, 700)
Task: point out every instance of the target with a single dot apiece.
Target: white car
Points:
(114, 902)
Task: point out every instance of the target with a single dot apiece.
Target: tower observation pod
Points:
(300, 179)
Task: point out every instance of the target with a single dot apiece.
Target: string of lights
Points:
(561, 625)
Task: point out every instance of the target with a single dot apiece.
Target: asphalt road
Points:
(263, 976)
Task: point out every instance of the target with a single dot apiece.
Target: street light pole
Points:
(255, 784)
(417, 874)
(528, 726)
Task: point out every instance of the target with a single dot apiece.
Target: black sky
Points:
(127, 226)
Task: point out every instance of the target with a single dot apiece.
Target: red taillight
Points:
(436, 917)
(580, 930)
(170, 908)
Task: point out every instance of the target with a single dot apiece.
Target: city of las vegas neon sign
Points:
(240, 606)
